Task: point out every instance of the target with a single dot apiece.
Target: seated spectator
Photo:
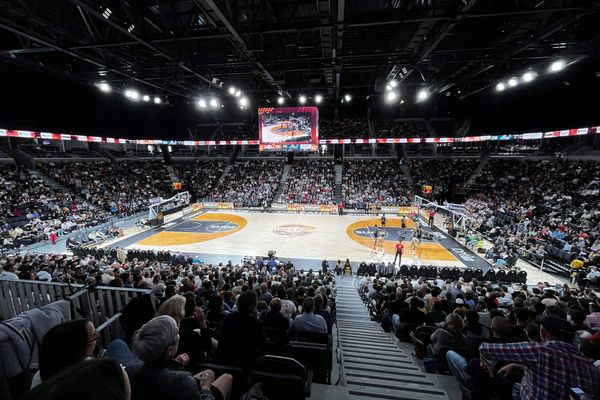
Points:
(232, 350)
(473, 328)
(545, 364)
(273, 318)
(156, 344)
(593, 319)
(319, 310)
(411, 315)
(64, 345)
(101, 379)
(436, 315)
(308, 321)
(450, 335)
(215, 310)
(173, 307)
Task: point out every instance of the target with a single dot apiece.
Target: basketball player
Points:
(403, 221)
(376, 237)
(383, 221)
(414, 244)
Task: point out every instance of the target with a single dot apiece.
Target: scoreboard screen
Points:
(288, 129)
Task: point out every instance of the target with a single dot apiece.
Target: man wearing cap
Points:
(550, 367)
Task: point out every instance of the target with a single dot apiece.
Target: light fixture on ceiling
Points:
(528, 76)
(557, 65)
(423, 95)
(104, 87)
(318, 99)
(302, 99)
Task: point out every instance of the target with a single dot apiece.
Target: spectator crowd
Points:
(500, 341)
(372, 181)
(309, 182)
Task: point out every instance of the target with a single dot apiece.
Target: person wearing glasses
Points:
(64, 345)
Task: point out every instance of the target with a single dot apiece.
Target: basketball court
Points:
(306, 239)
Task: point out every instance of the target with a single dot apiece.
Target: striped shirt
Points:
(551, 368)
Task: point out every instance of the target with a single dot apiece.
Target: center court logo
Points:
(293, 230)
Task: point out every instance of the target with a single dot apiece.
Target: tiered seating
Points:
(552, 203)
(122, 188)
(310, 181)
(438, 172)
(249, 183)
(369, 181)
(346, 128)
(54, 152)
(30, 208)
(400, 128)
(200, 176)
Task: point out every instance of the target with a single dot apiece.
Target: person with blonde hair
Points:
(173, 307)
(451, 335)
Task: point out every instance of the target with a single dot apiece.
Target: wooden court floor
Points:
(297, 236)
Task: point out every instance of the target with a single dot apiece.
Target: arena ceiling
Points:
(182, 48)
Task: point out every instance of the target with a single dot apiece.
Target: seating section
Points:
(200, 176)
(30, 208)
(136, 153)
(249, 183)
(344, 128)
(370, 181)
(400, 128)
(237, 132)
(49, 151)
(123, 188)
(438, 172)
(523, 205)
(311, 182)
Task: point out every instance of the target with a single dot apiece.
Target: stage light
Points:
(214, 103)
(243, 102)
(500, 87)
(393, 83)
(347, 98)
(557, 66)
(280, 100)
(388, 88)
(157, 100)
(318, 99)
(146, 98)
(528, 76)
(202, 103)
(238, 93)
(512, 82)
(231, 90)
(132, 94)
(302, 99)
(105, 87)
(391, 96)
(422, 95)
(401, 101)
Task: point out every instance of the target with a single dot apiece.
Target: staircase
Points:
(373, 365)
(172, 173)
(339, 169)
(482, 163)
(225, 172)
(406, 171)
(284, 177)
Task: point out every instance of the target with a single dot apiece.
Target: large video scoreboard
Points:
(288, 129)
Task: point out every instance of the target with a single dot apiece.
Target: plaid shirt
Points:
(552, 367)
